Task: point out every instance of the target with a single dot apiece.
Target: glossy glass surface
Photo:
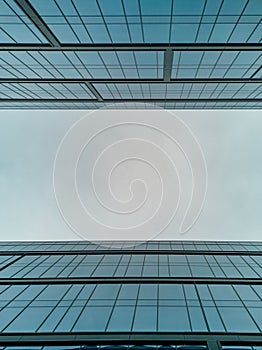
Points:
(135, 308)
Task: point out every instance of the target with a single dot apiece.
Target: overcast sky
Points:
(232, 146)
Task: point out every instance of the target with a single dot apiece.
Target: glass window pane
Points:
(121, 319)
(237, 319)
(93, 319)
(145, 319)
(173, 319)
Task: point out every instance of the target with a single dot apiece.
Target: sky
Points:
(130, 178)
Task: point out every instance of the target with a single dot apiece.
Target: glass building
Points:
(158, 294)
(159, 53)
(88, 54)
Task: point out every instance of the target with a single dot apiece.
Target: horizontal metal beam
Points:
(131, 280)
(130, 81)
(70, 251)
(130, 100)
(128, 338)
(135, 47)
(94, 91)
(30, 12)
(4, 266)
(168, 62)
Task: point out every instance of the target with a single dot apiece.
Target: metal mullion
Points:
(41, 65)
(97, 265)
(118, 91)
(182, 92)
(252, 93)
(236, 92)
(38, 22)
(215, 91)
(142, 91)
(250, 266)
(51, 94)
(247, 309)
(136, 65)
(65, 17)
(54, 307)
(135, 308)
(235, 266)
(216, 307)
(231, 65)
(3, 30)
(4, 94)
(215, 22)
(200, 22)
(219, 266)
(33, 267)
(187, 308)
(143, 266)
(120, 64)
(117, 265)
(157, 308)
(125, 16)
(215, 64)
(128, 87)
(127, 264)
(190, 89)
(67, 265)
(12, 89)
(168, 64)
(103, 18)
(257, 25)
(83, 307)
(99, 54)
(221, 92)
(258, 295)
(51, 64)
(209, 266)
(68, 308)
(21, 19)
(7, 264)
(30, 302)
(52, 266)
(171, 20)
(202, 308)
(80, 17)
(113, 307)
(82, 64)
(28, 92)
(70, 91)
(200, 63)
(78, 263)
(26, 65)
(205, 84)
(239, 17)
(141, 21)
(257, 70)
(11, 66)
(93, 91)
(178, 63)
(22, 267)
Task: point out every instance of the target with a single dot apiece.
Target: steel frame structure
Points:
(55, 45)
(212, 340)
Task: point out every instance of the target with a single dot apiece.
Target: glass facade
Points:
(131, 308)
(169, 54)
(211, 288)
